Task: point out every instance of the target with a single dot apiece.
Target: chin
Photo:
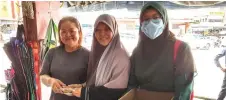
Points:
(71, 44)
(104, 44)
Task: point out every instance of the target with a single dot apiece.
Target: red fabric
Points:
(35, 50)
(192, 95)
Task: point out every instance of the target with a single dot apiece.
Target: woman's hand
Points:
(56, 85)
(77, 92)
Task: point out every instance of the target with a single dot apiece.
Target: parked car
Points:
(198, 41)
(5, 37)
(87, 40)
(223, 41)
(204, 43)
(129, 41)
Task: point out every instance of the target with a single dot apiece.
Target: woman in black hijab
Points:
(153, 67)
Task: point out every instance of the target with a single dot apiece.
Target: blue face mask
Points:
(152, 28)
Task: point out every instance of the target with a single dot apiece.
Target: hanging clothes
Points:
(23, 85)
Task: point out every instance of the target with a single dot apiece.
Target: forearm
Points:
(216, 60)
(217, 63)
(46, 80)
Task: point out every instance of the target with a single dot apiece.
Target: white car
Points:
(5, 37)
(87, 40)
(198, 41)
(223, 41)
(204, 43)
(129, 41)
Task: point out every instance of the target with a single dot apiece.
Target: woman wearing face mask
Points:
(66, 64)
(153, 67)
(108, 70)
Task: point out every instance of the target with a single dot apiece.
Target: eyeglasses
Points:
(155, 16)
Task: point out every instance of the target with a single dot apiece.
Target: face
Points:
(150, 14)
(103, 34)
(69, 34)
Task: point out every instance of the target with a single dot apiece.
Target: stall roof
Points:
(137, 5)
(182, 3)
(82, 3)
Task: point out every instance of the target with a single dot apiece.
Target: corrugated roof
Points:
(197, 3)
(185, 3)
(83, 3)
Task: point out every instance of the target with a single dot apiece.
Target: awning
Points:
(197, 3)
(87, 6)
(81, 3)
(184, 3)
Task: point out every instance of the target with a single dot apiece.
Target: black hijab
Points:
(148, 48)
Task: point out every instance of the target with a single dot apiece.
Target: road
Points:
(207, 82)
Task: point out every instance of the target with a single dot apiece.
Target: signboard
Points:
(10, 10)
(5, 9)
(219, 13)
